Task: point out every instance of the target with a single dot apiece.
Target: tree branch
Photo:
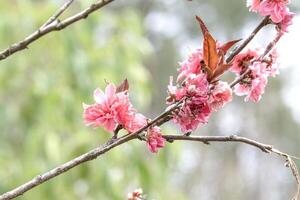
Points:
(263, 23)
(50, 26)
(93, 154)
(58, 13)
(234, 138)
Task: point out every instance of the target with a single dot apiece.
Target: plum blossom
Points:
(135, 195)
(286, 22)
(112, 108)
(221, 94)
(254, 83)
(154, 139)
(192, 65)
(102, 113)
(277, 10)
(253, 4)
(241, 61)
(195, 110)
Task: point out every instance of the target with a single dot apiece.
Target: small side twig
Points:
(51, 27)
(263, 23)
(58, 13)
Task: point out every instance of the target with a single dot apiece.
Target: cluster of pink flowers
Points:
(197, 86)
(254, 83)
(201, 96)
(277, 10)
(112, 109)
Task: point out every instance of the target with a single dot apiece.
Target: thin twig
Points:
(21, 45)
(234, 138)
(58, 13)
(263, 23)
(93, 154)
(270, 46)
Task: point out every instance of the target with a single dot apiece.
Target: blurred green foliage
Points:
(41, 95)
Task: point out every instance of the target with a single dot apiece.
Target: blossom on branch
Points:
(154, 139)
(254, 82)
(221, 94)
(112, 108)
(277, 10)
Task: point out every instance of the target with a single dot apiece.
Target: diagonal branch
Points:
(58, 13)
(50, 26)
(93, 154)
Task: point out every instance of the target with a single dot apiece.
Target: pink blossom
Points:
(257, 89)
(254, 83)
(253, 4)
(95, 116)
(112, 108)
(194, 112)
(287, 21)
(155, 139)
(242, 61)
(102, 112)
(175, 93)
(276, 9)
(136, 123)
(221, 94)
(135, 195)
(272, 64)
(192, 65)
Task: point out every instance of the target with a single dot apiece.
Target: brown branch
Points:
(270, 46)
(50, 26)
(58, 13)
(93, 154)
(234, 138)
(263, 23)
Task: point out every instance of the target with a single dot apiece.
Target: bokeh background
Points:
(42, 90)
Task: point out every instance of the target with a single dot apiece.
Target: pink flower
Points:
(272, 65)
(102, 112)
(242, 61)
(276, 9)
(253, 85)
(112, 108)
(136, 123)
(155, 139)
(253, 4)
(221, 94)
(192, 65)
(136, 195)
(287, 21)
(257, 89)
(175, 93)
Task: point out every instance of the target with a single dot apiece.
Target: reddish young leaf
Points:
(225, 47)
(202, 25)
(210, 53)
(124, 86)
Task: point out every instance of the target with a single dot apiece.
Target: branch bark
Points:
(53, 24)
(234, 138)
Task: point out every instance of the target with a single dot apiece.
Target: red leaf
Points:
(225, 47)
(210, 53)
(202, 25)
(124, 86)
